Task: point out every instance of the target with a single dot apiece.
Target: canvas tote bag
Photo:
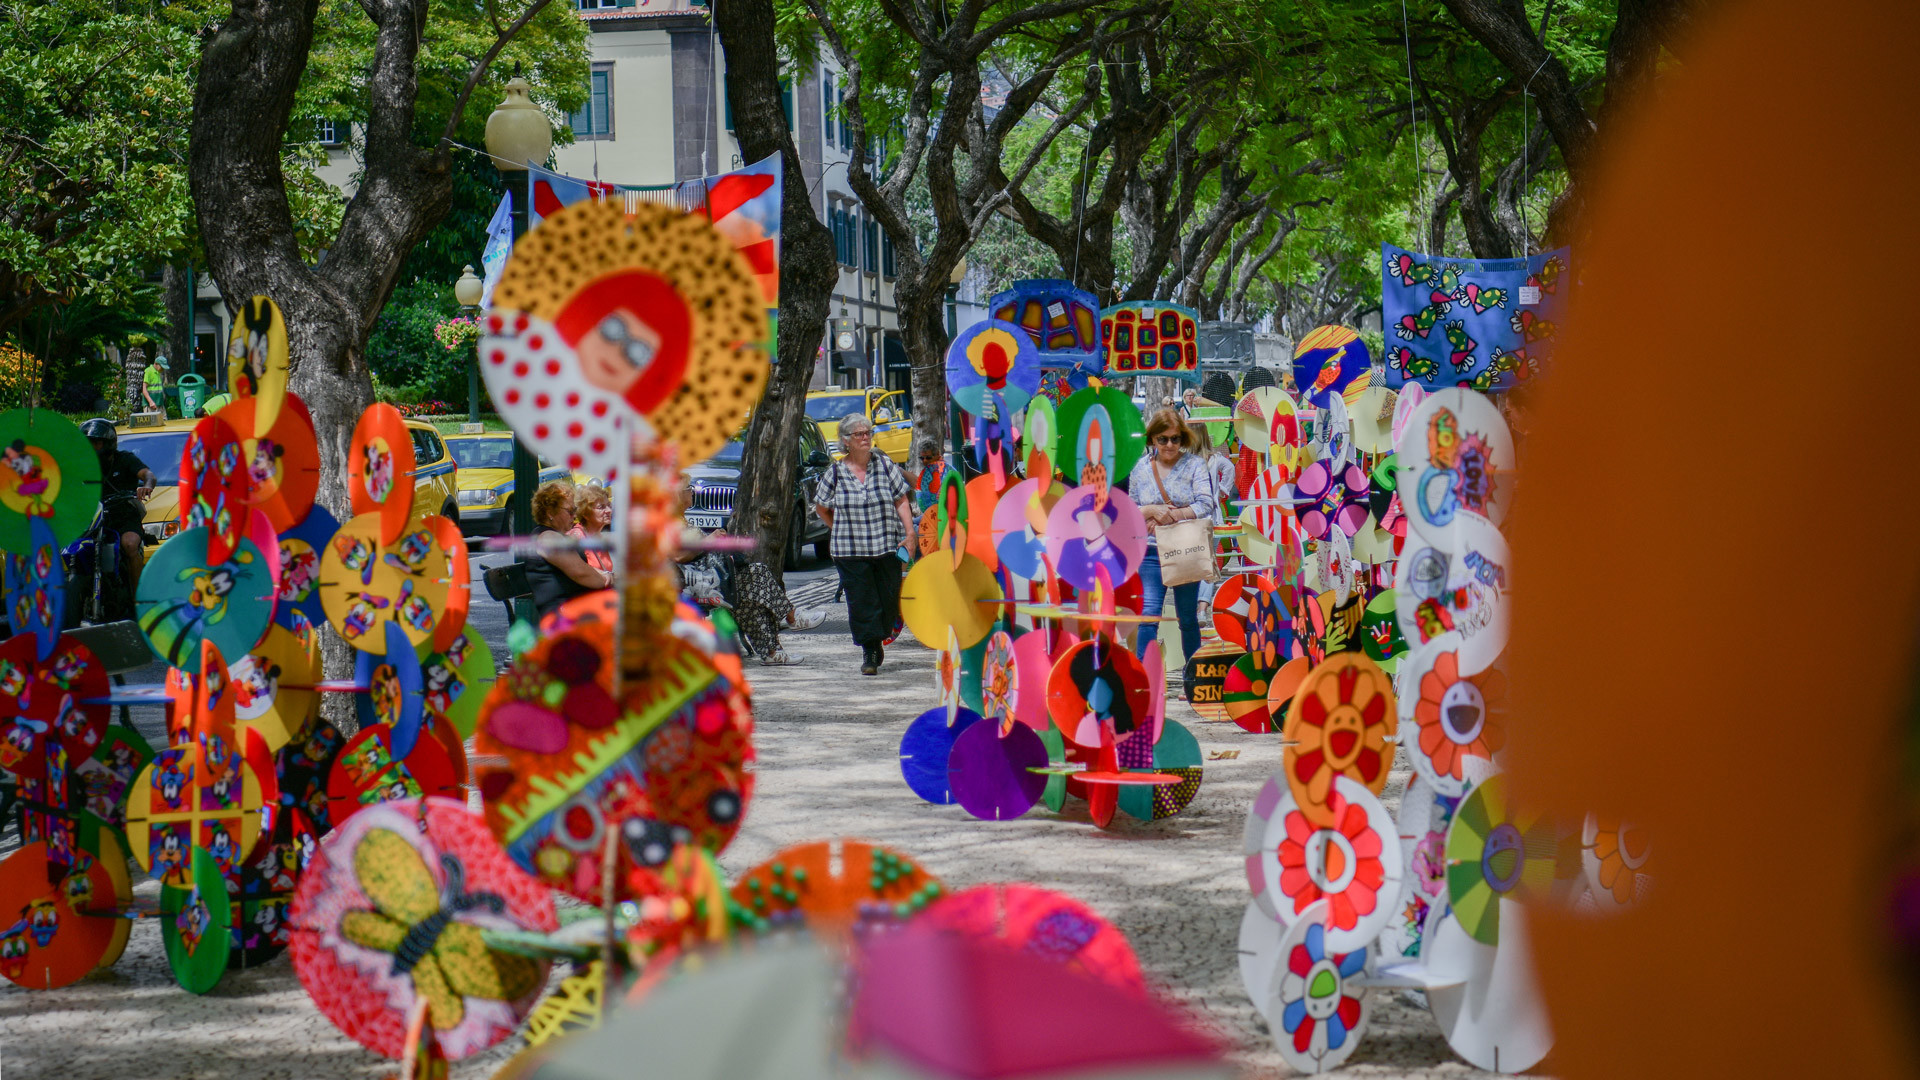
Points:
(1186, 547)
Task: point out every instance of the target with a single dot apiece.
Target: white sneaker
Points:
(807, 620)
(781, 658)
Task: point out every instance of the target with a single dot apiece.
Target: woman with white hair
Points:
(866, 500)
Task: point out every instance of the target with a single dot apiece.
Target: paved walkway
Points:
(827, 741)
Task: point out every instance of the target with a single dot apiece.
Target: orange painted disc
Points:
(380, 469)
(1339, 723)
(284, 461)
(54, 942)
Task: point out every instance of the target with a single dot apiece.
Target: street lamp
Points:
(466, 293)
(518, 132)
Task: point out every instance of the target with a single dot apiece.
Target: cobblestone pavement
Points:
(827, 741)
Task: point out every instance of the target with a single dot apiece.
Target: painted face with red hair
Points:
(630, 331)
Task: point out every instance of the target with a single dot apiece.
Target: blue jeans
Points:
(1186, 604)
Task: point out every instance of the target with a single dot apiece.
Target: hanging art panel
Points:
(1488, 324)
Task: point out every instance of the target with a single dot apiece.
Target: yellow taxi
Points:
(435, 473)
(486, 479)
(888, 409)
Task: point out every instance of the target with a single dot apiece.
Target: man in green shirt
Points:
(152, 391)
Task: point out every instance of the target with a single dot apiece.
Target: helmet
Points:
(101, 428)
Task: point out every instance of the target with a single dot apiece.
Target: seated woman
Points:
(556, 569)
(592, 514)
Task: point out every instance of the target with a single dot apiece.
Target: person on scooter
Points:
(121, 473)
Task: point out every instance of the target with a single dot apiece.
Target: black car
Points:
(713, 482)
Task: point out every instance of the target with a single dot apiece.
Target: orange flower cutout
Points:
(1340, 723)
(1458, 718)
(1622, 849)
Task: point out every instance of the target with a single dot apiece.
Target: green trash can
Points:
(193, 391)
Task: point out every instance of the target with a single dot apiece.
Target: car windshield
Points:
(158, 451)
(834, 408)
(482, 453)
(729, 454)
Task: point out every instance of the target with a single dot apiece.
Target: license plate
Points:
(706, 521)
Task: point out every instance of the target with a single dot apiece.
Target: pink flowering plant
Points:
(457, 332)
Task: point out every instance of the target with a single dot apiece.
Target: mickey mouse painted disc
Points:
(48, 471)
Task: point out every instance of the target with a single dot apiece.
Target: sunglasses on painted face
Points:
(639, 353)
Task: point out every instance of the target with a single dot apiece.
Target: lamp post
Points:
(466, 293)
(518, 133)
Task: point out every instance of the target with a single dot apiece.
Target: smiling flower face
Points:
(1322, 1008)
(1458, 717)
(1341, 722)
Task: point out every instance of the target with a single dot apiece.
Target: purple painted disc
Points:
(988, 773)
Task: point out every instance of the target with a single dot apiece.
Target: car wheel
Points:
(796, 540)
(451, 512)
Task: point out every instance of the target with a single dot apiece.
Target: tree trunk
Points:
(762, 505)
(175, 288)
(1503, 28)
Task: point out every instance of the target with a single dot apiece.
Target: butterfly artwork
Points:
(393, 910)
(1496, 317)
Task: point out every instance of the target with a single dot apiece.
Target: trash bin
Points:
(193, 391)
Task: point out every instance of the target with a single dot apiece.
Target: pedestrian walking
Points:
(1170, 484)
(867, 503)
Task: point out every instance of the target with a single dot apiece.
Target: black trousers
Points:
(873, 595)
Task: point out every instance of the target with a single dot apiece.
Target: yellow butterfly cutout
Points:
(418, 923)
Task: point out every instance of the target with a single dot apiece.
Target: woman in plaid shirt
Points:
(866, 500)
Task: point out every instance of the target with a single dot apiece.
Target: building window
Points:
(826, 107)
(846, 143)
(595, 118)
(888, 266)
(871, 246)
(786, 102)
(594, 5)
(328, 133)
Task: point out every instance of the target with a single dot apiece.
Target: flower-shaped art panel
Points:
(1318, 1007)
(1459, 719)
(1342, 717)
(1456, 464)
(1353, 862)
(1614, 854)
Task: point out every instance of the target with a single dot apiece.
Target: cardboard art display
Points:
(1151, 338)
(1485, 324)
(48, 472)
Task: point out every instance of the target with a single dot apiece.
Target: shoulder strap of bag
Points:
(1164, 497)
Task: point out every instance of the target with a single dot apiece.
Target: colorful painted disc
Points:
(1020, 526)
(1178, 753)
(1044, 923)
(1259, 948)
(41, 717)
(999, 680)
(367, 772)
(452, 619)
(53, 942)
(1339, 726)
(105, 778)
(831, 887)
(395, 694)
(380, 469)
(1456, 466)
(1496, 851)
(1456, 721)
(1084, 538)
(1317, 1003)
(300, 551)
(1614, 855)
(49, 471)
(215, 486)
(1230, 606)
(196, 920)
(257, 360)
(935, 596)
(193, 796)
(996, 361)
(1054, 795)
(1282, 687)
(1104, 423)
(1095, 682)
(610, 314)
(364, 585)
(261, 926)
(184, 597)
(925, 748)
(1372, 420)
(1326, 361)
(987, 771)
(1423, 821)
(1353, 862)
(303, 767)
(33, 585)
(457, 680)
(383, 873)
(284, 462)
(1466, 590)
(274, 683)
(1245, 694)
(1254, 415)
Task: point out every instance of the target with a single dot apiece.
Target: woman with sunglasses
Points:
(1170, 484)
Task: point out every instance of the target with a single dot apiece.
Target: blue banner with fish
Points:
(1488, 324)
